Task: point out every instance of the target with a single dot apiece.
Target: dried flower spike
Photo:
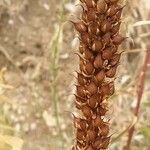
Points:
(99, 37)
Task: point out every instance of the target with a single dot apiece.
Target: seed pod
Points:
(106, 26)
(91, 15)
(93, 28)
(86, 110)
(111, 72)
(80, 26)
(101, 6)
(107, 53)
(92, 101)
(102, 111)
(106, 38)
(97, 143)
(98, 62)
(97, 121)
(82, 48)
(80, 134)
(118, 39)
(104, 129)
(88, 54)
(88, 68)
(80, 91)
(91, 135)
(81, 79)
(118, 14)
(97, 45)
(89, 3)
(92, 88)
(115, 28)
(112, 10)
(100, 76)
(114, 61)
(105, 89)
(114, 48)
(85, 38)
(82, 124)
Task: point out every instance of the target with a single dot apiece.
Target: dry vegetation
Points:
(37, 48)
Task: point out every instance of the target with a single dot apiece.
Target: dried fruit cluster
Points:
(99, 37)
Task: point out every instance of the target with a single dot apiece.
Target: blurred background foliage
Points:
(37, 46)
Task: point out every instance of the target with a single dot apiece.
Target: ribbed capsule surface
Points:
(99, 35)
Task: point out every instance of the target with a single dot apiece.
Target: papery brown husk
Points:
(99, 57)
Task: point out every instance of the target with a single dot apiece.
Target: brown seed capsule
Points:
(118, 14)
(82, 47)
(101, 6)
(85, 38)
(92, 88)
(88, 54)
(97, 143)
(91, 15)
(91, 135)
(112, 10)
(102, 111)
(107, 53)
(83, 124)
(115, 59)
(86, 110)
(93, 28)
(79, 123)
(105, 89)
(111, 72)
(106, 26)
(89, 3)
(80, 134)
(104, 129)
(80, 26)
(97, 45)
(118, 39)
(80, 91)
(97, 121)
(98, 62)
(92, 101)
(81, 79)
(100, 76)
(88, 68)
(106, 38)
(114, 48)
(115, 28)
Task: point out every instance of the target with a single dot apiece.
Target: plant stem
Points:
(140, 90)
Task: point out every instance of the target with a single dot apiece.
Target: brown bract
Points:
(99, 36)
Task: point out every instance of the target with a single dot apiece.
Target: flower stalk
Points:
(98, 30)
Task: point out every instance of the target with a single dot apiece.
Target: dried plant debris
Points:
(98, 30)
